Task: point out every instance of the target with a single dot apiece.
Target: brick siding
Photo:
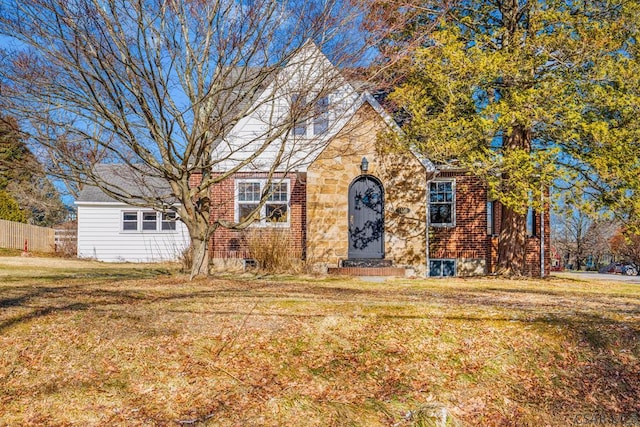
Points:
(227, 243)
(469, 238)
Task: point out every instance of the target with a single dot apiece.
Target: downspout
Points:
(542, 237)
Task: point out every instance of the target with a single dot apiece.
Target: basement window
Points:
(442, 268)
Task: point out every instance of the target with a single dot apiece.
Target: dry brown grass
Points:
(97, 344)
(271, 249)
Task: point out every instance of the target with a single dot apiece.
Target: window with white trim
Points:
(148, 221)
(442, 203)
(298, 104)
(321, 116)
(275, 210)
(442, 267)
(169, 221)
(130, 221)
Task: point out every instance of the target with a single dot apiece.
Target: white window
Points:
(442, 267)
(275, 210)
(148, 221)
(130, 221)
(169, 221)
(321, 116)
(442, 203)
(298, 105)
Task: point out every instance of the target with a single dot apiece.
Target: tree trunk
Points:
(512, 241)
(199, 232)
(200, 254)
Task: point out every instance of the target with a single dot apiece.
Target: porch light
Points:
(364, 165)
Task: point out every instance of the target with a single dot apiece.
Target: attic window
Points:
(297, 109)
(321, 116)
(305, 126)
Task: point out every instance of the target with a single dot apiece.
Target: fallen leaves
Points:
(112, 349)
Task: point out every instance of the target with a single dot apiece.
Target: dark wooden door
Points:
(366, 218)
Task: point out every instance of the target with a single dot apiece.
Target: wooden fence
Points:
(14, 234)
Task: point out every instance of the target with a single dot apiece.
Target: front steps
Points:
(367, 267)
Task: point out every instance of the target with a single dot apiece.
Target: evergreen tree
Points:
(24, 183)
(527, 94)
(9, 209)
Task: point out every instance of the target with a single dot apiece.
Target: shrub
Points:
(272, 250)
(186, 259)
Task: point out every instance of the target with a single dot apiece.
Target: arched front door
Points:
(366, 218)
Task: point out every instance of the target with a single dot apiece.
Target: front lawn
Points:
(99, 344)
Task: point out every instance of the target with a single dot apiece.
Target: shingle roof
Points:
(125, 180)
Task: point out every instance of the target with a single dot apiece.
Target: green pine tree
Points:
(23, 179)
(526, 94)
(9, 209)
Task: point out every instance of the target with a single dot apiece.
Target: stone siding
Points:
(329, 177)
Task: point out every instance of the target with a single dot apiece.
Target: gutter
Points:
(432, 173)
(542, 272)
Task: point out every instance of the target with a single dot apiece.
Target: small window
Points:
(298, 104)
(169, 221)
(129, 221)
(442, 267)
(441, 203)
(321, 116)
(149, 221)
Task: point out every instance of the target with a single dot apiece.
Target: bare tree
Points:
(569, 235)
(577, 236)
(158, 85)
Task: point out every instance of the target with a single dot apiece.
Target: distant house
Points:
(349, 201)
(109, 230)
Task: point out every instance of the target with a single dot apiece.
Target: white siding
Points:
(100, 237)
(309, 74)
